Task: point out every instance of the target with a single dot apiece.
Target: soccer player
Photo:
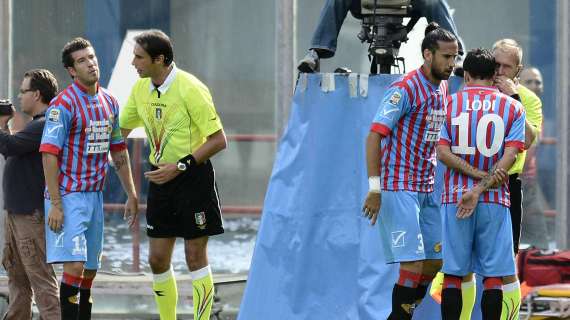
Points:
(400, 153)
(81, 129)
(184, 131)
(484, 131)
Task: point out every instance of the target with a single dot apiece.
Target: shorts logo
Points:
(437, 247)
(149, 227)
(54, 115)
(200, 218)
(398, 239)
(59, 240)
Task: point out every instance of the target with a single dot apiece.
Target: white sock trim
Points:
(201, 273)
(511, 287)
(163, 277)
(467, 285)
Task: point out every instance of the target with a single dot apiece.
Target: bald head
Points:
(532, 79)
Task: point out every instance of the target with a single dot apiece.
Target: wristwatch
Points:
(181, 166)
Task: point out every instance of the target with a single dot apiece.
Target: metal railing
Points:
(137, 151)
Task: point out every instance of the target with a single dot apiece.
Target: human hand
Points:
(55, 216)
(4, 120)
(467, 204)
(499, 176)
(371, 206)
(164, 173)
(506, 85)
(131, 211)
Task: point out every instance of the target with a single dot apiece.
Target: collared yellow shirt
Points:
(177, 117)
(533, 109)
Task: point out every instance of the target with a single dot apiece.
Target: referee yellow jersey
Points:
(178, 116)
(533, 109)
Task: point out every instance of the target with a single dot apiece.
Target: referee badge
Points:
(200, 218)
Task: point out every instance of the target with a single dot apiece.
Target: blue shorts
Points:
(410, 226)
(482, 243)
(81, 237)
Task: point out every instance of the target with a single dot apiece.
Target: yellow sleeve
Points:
(128, 116)
(533, 108)
(202, 111)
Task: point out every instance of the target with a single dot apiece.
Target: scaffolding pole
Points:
(285, 50)
(5, 86)
(563, 102)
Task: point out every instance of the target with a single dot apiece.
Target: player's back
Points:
(480, 123)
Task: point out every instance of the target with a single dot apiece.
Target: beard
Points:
(439, 74)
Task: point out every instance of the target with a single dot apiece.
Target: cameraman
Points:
(323, 44)
(23, 184)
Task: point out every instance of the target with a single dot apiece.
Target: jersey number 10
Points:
(463, 146)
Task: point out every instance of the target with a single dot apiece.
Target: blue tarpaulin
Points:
(316, 256)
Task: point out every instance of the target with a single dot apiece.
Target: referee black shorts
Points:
(186, 207)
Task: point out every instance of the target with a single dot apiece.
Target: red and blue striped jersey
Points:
(479, 124)
(80, 129)
(409, 118)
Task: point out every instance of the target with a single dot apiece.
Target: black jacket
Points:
(23, 184)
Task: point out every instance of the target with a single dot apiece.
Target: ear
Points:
(71, 72)
(520, 68)
(37, 95)
(428, 55)
(466, 76)
(159, 59)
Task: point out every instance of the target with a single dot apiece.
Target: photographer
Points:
(23, 184)
(323, 44)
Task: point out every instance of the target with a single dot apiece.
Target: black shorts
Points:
(187, 206)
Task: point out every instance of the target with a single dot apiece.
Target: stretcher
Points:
(547, 302)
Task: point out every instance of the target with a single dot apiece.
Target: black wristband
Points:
(189, 160)
(516, 97)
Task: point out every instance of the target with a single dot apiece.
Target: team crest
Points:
(158, 113)
(395, 98)
(54, 115)
(200, 219)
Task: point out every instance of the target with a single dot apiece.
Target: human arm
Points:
(24, 141)
(51, 173)
(122, 165)
(373, 199)
(215, 143)
(469, 199)
(513, 144)
(453, 161)
(531, 104)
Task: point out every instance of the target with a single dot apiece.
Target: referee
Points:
(184, 131)
(508, 56)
